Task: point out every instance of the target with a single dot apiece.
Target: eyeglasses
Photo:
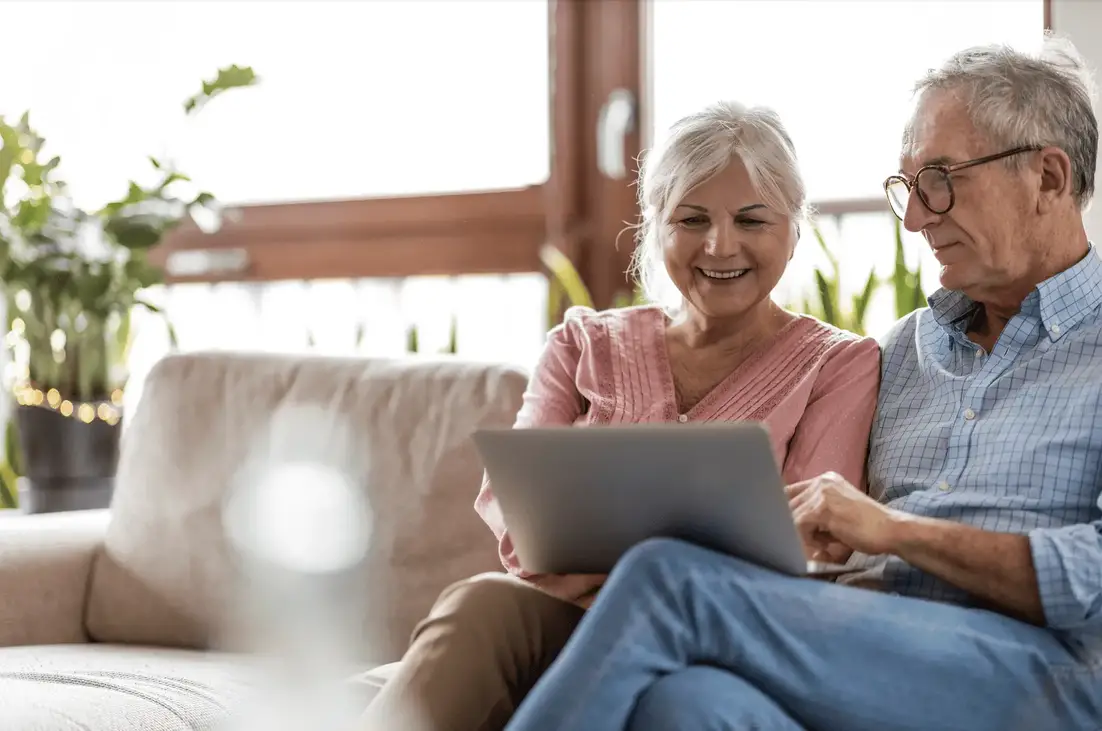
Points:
(935, 184)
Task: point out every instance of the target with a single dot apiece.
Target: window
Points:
(839, 73)
(357, 99)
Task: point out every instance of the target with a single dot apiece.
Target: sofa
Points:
(116, 619)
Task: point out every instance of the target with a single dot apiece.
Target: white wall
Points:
(1081, 21)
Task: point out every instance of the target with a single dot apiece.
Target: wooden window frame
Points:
(596, 47)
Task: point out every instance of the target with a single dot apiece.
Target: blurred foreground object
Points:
(299, 522)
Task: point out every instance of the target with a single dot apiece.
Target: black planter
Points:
(68, 464)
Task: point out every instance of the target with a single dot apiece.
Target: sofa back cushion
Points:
(167, 575)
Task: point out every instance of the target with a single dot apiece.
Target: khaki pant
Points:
(470, 663)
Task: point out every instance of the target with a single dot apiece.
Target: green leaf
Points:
(140, 231)
(826, 298)
(861, 303)
(825, 248)
(13, 456)
(8, 490)
(412, 346)
(563, 271)
(918, 300)
(141, 273)
(10, 149)
(555, 297)
(141, 301)
(173, 340)
(230, 77)
(453, 337)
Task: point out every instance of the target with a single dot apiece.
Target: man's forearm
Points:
(995, 567)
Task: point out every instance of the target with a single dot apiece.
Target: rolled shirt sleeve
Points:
(1068, 562)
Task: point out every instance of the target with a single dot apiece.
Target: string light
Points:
(109, 411)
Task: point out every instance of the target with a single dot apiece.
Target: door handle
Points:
(615, 122)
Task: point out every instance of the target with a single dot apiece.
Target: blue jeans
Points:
(682, 638)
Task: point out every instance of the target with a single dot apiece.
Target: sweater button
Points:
(683, 418)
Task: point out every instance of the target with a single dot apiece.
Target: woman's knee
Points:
(498, 604)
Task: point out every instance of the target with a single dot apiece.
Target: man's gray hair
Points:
(1042, 99)
(697, 148)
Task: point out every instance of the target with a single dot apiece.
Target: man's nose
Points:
(917, 216)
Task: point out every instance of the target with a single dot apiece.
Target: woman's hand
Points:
(835, 518)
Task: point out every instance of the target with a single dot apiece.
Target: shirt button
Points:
(682, 418)
(1055, 329)
(980, 353)
(969, 414)
(944, 486)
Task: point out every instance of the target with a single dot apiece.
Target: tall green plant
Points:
(827, 302)
(907, 284)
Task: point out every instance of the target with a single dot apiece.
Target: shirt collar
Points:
(1061, 302)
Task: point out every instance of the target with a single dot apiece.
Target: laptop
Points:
(576, 499)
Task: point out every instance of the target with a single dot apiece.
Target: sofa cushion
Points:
(103, 687)
(166, 573)
(96, 687)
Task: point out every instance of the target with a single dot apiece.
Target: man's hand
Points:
(835, 518)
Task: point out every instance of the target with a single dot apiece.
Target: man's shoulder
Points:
(902, 334)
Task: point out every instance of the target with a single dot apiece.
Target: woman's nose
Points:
(723, 240)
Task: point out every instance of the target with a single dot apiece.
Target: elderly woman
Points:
(721, 200)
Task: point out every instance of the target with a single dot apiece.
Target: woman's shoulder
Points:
(834, 345)
(586, 323)
(835, 338)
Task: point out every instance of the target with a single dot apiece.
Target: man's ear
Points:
(1056, 178)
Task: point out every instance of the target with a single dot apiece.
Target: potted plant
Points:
(70, 280)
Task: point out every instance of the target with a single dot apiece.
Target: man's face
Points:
(983, 242)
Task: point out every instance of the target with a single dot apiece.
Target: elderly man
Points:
(986, 457)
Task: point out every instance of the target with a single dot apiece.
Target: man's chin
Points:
(955, 278)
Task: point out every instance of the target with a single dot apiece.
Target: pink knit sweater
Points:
(815, 389)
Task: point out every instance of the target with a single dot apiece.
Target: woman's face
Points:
(724, 248)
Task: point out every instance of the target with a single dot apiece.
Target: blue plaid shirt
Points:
(1007, 441)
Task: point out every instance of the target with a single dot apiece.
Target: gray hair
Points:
(697, 148)
(1041, 99)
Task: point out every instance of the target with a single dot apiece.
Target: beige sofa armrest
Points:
(45, 565)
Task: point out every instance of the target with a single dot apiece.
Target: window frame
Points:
(595, 48)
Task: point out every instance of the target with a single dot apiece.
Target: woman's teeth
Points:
(732, 274)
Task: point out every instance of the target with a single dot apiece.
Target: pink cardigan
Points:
(815, 388)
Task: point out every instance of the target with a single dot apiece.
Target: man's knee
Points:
(658, 558)
(704, 698)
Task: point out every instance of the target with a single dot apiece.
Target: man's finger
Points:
(797, 499)
(797, 488)
(807, 523)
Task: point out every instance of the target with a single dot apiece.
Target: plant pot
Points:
(67, 464)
